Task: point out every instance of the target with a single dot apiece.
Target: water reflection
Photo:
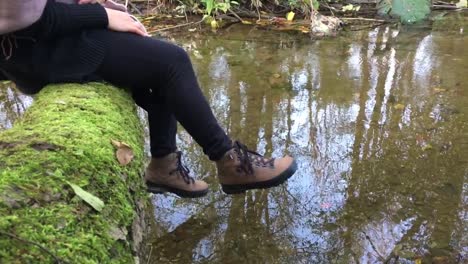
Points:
(377, 121)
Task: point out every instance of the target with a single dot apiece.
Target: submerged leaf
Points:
(439, 90)
(90, 199)
(399, 106)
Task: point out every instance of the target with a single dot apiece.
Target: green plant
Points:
(212, 7)
(304, 5)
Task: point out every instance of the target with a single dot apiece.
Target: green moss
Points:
(66, 136)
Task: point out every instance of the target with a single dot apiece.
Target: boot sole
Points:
(159, 188)
(278, 180)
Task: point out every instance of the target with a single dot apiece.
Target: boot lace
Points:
(182, 170)
(247, 157)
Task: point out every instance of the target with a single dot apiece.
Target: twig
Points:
(369, 27)
(149, 258)
(364, 19)
(373, 246)
(57, 259)
(176, 26)
(234, 14)
(447, 7)
(135, 8)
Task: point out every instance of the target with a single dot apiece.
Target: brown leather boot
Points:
(167, 174)
(241, 169)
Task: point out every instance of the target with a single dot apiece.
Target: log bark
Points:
(64, 139)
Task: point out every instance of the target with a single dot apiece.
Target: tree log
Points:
(63, 140)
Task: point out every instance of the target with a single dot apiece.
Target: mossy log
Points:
(64, 139)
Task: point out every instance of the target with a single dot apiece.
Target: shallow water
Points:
(377, 121)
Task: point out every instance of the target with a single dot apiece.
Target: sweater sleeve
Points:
(62, 19)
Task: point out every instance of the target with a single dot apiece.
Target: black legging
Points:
(162, 80)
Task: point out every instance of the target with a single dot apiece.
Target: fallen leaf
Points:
(246, 22)
(427, 147)
(439, 90)
(276, 75)
(124, 155)
(124, 152)
(290, 16)
(214, 24)
(399, 106)
(119, 144)
(90, 199)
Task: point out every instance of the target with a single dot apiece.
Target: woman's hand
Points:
(123, 22)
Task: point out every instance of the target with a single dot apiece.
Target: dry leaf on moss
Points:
(124, 152)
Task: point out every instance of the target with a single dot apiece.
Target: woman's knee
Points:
(180, 56)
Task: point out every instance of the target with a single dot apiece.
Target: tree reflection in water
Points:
(377, 121)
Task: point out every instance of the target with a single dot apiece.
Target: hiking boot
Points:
(167, 174)
(241, 169)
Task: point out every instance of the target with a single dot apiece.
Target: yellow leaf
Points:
(214, 24)
(399, 106)
(290, 16)
(427, 147)
(246, 22)
(418, 261)
(439, 90)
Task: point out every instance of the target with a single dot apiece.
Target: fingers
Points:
(140, 25)
(142, 29)
(123, 22)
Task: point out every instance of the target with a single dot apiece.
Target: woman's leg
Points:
(162, 124)
(163, 70)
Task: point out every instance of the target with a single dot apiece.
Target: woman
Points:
(46, 41)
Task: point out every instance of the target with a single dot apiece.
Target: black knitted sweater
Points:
(59, 47)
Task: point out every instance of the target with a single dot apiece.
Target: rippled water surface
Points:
(377, 121)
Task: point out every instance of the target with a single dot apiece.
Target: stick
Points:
(364, 19)
(135, 8)
(447, 7)
(57, 259)
(176, 26)
(234, 14)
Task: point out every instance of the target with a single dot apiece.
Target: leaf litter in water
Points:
(399, 106)
(124, 152)
(89, 198)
